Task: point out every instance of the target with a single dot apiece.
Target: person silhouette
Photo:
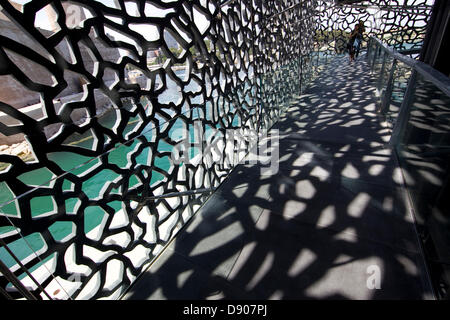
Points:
(353, 40)
(359, 37)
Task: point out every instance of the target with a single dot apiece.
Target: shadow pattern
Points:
(336, 208)
(74, 207)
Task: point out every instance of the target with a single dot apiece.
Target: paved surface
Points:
(333, 218)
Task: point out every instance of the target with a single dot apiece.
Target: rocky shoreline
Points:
(23, 149)
(20, 149)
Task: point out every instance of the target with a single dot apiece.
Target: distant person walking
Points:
(359, 37)
(354, 43)
(351, 43)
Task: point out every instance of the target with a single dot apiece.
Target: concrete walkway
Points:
(332, 223)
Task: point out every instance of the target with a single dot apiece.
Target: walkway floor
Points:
(332, 219)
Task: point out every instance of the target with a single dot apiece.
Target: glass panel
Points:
(378, 62)
(383, 79)
(428, 124)
(401, 76)
(425, 158)
(384, 73)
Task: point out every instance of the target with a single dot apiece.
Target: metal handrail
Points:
(436, 77)
(400, 140)
(418, 68)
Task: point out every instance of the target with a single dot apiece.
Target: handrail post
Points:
(383, 67)
(403, 115)
(388, 93)
(16, 282)
(372, 66)
(300, 65)
(21, 265)
(317, 65)
(369, 51)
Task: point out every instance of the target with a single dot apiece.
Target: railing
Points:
(415, 98)
(109, 175)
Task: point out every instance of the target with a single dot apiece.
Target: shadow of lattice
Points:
(335, 208)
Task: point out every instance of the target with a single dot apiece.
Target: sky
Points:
(43, 22)
(147, 31)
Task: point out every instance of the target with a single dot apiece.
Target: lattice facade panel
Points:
(399, 23)
(73, 209)
(171, 95)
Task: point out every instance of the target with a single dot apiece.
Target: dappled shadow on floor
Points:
(324, 225)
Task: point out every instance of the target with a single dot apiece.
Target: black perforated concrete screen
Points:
(105, 104)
